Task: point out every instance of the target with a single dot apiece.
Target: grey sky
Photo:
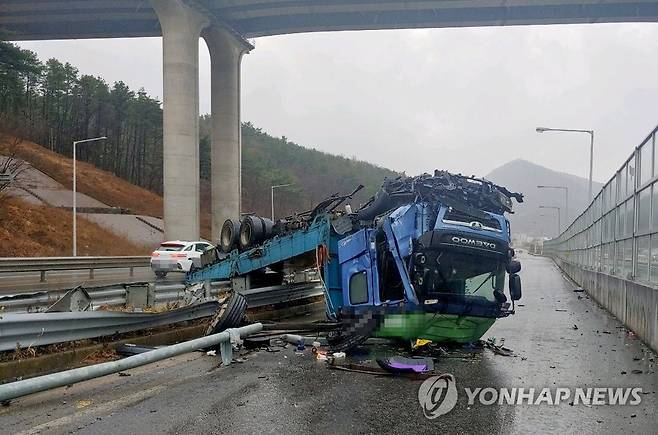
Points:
(465, 100)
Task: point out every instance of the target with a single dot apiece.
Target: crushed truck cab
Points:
(426, 257)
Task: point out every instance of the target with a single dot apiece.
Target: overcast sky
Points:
(466, 100)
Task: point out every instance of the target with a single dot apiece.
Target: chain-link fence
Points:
(618, 233)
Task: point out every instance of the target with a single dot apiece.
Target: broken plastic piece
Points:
(397, 364)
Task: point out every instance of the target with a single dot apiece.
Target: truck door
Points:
(359, 279)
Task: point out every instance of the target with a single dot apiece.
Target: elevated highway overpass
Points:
(66, 19)
(226, 25)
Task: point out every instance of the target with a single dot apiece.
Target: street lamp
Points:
(559, 225)
(75, 195)
(566, 199)
(591, 147)
(277, 186)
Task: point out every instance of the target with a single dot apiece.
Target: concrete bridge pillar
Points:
(181, 29)
(226, 50)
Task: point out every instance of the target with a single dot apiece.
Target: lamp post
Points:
(277, 186)
(75, 195)
(591, 147)
(559, 225)
(566, 199)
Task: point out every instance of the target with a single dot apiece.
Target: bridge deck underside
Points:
(70, 19)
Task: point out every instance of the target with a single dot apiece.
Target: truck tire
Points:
(254, 230)
(230, 235)
(230, 315)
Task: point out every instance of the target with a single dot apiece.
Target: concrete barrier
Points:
(633, 303)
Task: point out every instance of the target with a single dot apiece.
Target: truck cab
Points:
(419, 260)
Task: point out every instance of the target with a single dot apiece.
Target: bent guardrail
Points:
(42, 383)
(161, 294)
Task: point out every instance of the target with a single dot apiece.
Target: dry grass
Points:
(28, 230)
(101, 185)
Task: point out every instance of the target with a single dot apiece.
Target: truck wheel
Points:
(230, 315)
(160, 274)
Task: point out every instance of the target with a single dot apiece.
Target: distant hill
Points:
(314, 175)
(524, 176)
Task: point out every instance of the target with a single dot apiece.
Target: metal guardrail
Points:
(260, 297)
(24, 324)
(38, 329)
(164, 293)
(42, 383)
(45, 264)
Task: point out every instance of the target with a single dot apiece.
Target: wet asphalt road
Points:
(287, 393)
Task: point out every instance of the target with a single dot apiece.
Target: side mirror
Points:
(515, 286)
(514, 266)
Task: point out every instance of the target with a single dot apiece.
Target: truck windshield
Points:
(468, 275)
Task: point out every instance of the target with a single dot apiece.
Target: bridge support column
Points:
(181, 29)
(226, 50)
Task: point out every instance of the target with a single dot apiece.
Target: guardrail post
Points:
(150, 297)
(207, 288)
(43, 276)
(226, 352)
(132, 271)
(91, 273)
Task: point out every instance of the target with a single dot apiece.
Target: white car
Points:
(178, 256)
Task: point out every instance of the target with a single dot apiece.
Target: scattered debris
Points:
(498, 349)
(578, 290)
(124, 374)
(637, 372)
(397, 364)
(560, 309)
(420, 343)
(211, 353)
(575, 327)
(83, 403)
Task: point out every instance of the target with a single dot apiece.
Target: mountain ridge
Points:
(524, 176)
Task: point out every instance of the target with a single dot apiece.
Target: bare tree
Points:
(11, 167)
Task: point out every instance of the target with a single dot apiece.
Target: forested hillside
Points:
(52, 104)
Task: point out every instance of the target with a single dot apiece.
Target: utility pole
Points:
(277, 186)
(75, 193)
(566, 199)
(591, 148)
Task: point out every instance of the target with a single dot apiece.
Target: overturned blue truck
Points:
(426, 257)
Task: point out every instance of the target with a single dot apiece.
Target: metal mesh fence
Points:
(618, 232)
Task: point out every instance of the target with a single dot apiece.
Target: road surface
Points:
(287, 393)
